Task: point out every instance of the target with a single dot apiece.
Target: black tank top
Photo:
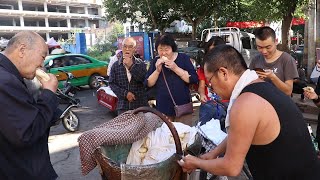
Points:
(291, 155)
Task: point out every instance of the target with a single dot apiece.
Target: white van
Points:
(244, 42)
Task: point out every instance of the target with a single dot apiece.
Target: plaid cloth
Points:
(124, 129)
(120, 85)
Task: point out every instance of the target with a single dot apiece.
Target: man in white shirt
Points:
(113, 59)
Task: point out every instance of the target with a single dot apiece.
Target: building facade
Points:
(50, 18)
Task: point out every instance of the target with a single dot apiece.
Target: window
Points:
(75, 60)
(58, 62)
(246, 42)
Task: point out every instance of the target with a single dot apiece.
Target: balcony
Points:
(37, 29)
(6, 12)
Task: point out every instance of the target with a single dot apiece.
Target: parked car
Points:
(83, 67)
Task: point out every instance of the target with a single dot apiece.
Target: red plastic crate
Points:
(107, 100)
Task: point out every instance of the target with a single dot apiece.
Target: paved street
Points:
(63, 146)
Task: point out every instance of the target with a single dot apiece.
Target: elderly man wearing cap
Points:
(113, 59)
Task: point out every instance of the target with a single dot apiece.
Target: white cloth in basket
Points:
(160, 145)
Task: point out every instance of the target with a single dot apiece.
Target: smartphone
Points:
(259, 69)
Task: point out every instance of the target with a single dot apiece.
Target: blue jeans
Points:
(210, 110)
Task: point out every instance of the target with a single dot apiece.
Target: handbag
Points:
(180, 110)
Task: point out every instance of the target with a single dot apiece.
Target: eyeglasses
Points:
(125, 46)
(211, 78)
(213, 75)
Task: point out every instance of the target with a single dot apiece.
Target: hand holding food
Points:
(308, 89)
(48, 81)
(41, 75)
(310, 93)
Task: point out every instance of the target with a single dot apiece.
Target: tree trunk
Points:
(286, 26)
(194, 29)
(305, 42)
(311, 38)
(153, 19)
(318, 24)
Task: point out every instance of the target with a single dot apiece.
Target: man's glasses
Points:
(211, 78)
(214, 72)
(125, 46)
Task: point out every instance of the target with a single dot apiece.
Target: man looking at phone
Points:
(271, 64)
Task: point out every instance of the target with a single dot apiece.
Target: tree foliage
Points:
(159, 14)
(153, 14)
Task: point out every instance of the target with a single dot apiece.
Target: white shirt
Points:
(113, 59)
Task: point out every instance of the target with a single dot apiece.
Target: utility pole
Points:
(311, 37)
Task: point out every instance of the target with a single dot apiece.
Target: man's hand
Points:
(310, 94)
(51, 84)
(188, 163)
(209, 155)
(127, 61)
(130, 97)
(267, 74)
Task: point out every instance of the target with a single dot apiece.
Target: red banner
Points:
(297, 21)
(140, 45)
(246, 24)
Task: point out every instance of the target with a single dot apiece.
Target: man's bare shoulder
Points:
(248, 106)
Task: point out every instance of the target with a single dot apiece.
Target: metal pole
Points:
(312, 37)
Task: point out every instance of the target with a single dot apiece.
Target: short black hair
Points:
(225, 56)
(215, 40)
(167, 40)
(264, 33)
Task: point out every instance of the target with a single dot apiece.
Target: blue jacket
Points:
(179, 88)
(24, 127)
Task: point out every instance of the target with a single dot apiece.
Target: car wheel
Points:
(93, 81)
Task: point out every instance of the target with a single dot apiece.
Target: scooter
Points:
(106, 97)
(70, 120)
(100, 81)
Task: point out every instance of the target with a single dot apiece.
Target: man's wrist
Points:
(317, 100)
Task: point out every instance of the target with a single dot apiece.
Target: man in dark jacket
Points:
(24, 122)
(127, 77)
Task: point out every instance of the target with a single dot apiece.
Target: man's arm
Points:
(285, 87)
(243, 125)
(25, 121)
(217, 151)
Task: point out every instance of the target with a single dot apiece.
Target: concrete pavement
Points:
(63, 146)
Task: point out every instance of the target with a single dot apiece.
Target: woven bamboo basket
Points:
(111, 159)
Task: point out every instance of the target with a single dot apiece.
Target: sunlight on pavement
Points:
(62, 142)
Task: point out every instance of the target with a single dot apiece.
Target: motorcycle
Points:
(70, 120)
(100, 81)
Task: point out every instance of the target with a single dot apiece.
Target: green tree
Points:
(196, 11)
(274, 10)
(153, 14)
